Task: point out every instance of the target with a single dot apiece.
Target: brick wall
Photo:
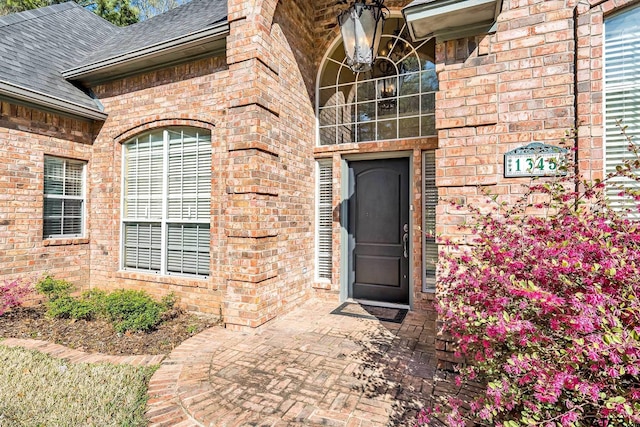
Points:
(26, 136)
(270, 205)
(536, 79)
(190, 94)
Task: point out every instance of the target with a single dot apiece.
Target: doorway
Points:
(378, 228)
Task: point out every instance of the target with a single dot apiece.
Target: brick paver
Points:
(309, 367)
(78, 356)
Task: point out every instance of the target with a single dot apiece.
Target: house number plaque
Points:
(536, 159)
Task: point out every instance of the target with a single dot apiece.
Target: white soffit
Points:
(449, 19)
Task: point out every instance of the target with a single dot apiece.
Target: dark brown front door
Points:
(378, 230)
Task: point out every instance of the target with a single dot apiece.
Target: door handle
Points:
(405, 239)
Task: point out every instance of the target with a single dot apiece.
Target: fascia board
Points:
(48, 102)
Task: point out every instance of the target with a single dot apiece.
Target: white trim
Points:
(82, 198)
(164, 221)
(380, 304)
(41, 99)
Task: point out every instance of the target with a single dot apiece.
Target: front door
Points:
(379, 230)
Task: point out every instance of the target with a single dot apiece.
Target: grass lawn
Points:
(38, 390)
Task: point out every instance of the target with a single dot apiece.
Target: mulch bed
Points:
(99, 335)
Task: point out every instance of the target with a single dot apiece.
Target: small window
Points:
(167, 202)
(64, 197)
(324, 249)
(430, 247)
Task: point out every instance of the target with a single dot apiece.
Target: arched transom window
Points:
(395, 100)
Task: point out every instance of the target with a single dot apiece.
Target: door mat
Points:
(383, 314)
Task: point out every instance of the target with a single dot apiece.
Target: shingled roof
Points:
(36, 45)
(189, 18)
(42, 50)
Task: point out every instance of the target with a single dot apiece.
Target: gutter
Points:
(42, 100)
(218, 31)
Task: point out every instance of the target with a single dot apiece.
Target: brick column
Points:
(253, 170)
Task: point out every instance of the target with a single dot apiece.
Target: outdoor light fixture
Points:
(361, 28)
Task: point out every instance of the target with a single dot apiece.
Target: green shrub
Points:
(133, 310)
(53, 288)
(127, 310)
(61, 307)
(168, 301)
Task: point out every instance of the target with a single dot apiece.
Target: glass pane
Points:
(142, 243)
(387, 108)
(387, 129)
(188, 249)
(328, 97)
(622, 39)
(410, 64)
(327, 116)
(366, 132)
(52, 227)
(52, 207)
(429, 81)
(409, 106)
(346, 134)
(53, 175)
(328, 135)
(73, 208)
(366, 91)
(429, 125)
(366, 111)
(73, 181)
(409, 128)
(429, 103)
(409, 84)
(72, 226)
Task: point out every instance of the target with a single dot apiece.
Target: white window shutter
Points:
(325, 219)
(622, 99)
(142, 246)
(189, 175)
(188, 249)
(430, 201)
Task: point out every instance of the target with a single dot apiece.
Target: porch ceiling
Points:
(449, 19)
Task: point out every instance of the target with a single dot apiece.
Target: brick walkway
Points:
(309, 367)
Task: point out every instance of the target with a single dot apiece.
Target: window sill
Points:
(62, 241)
(191, 282)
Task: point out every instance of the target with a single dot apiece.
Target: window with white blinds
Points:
(430, 201)
(64, 197)
(167, 202)
(324, 250)
(622, 97)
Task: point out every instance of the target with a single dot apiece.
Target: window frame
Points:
(610, 130)
(82, 198)
(165, 221)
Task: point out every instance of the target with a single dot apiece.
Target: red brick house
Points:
(225, 152)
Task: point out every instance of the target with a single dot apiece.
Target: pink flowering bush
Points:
(546, 311)
(12, 294)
